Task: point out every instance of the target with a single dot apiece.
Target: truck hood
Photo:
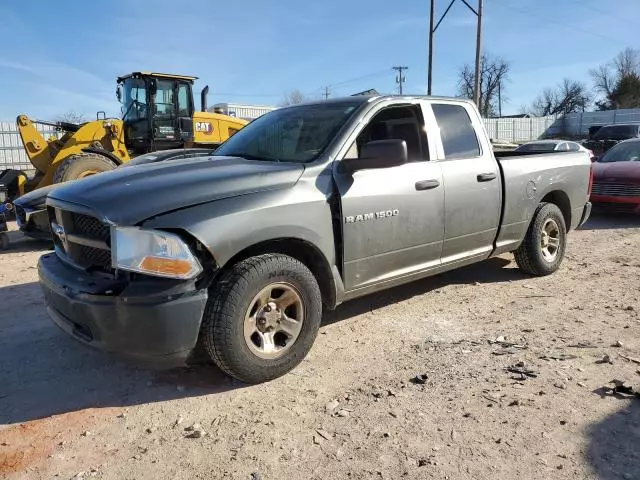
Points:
(616, 171)
(127, 196)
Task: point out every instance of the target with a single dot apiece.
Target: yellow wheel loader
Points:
(158, 113)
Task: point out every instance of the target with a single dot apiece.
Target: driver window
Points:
(404, 123)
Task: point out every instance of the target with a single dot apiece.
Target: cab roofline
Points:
(156, 74)
(361, 99)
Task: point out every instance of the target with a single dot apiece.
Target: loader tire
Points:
(81, 165)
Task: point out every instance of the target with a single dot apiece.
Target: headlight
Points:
(152, 252)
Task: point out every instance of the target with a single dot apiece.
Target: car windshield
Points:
(536, 147)
(623, 152)
(616, 132)
(294, 134)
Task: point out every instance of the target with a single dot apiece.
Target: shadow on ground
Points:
(613, 450)
(602, 219)
(490, 271)
(45, 372)
(19, 243)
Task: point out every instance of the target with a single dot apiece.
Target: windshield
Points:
(623, 152)
(134, 99)
(295, 134)
(536, 147)
(616, 132)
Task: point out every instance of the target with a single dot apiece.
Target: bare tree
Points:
(611, 79)
(71, 117)
(293, 97)
(493, 77)
(568, 97)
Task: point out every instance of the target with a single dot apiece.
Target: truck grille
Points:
(616, 189)
(83, 239)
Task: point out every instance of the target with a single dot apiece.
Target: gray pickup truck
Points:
(306, 207)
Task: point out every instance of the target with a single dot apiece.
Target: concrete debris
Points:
(332, 405)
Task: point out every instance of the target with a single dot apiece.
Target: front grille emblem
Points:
(58, 231)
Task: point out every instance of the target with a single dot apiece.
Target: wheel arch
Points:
(114, 158)
(561, 200)
(303, 251)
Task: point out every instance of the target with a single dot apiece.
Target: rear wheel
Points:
(543, 248)
(80, 166)
(262, 317)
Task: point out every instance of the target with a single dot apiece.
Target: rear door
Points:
(473, 189)
(392, 218)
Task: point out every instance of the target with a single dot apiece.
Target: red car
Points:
(616, 177)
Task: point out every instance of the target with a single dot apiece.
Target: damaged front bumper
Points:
(147, 318)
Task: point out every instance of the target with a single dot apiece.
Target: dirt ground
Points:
(351, 410)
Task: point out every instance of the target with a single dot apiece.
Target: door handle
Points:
(486, 177)
(427, 184)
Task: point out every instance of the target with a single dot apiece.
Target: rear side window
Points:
(458, 135)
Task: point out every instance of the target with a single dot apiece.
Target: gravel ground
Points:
(351, 410)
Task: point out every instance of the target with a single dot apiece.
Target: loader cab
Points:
(157, 111)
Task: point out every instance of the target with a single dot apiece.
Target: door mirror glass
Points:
(379, 154)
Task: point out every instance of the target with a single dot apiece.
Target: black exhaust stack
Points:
(203, 98)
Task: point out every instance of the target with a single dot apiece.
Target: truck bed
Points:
(529, 179)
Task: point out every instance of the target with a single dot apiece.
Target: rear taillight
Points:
(590, 179)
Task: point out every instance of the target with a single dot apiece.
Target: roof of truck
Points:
(156, 74)
(360, 99)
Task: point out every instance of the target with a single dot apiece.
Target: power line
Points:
(558, 22)
(400, 78)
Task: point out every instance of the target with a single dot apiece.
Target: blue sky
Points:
(65, 57)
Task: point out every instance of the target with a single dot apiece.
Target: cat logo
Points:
(204, 127)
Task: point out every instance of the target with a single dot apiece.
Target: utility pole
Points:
(500, 97)
(400, 78)
(326, 93)
(431, 32)
(476, 90)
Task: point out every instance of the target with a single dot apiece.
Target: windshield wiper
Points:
(250, 156)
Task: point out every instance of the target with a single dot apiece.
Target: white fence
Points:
(518, 129)
(12, 154)
(573, 125)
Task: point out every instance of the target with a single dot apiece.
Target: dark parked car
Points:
(610, 135)
(30, 209)
(616, 177)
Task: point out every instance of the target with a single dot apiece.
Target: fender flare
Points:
(104, 153)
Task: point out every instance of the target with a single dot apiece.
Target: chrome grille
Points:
(616, 189)
(82, 239)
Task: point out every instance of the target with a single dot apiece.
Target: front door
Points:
(392, 218)
(473, 198)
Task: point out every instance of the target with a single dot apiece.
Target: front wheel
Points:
(262, 317)
(543, 248)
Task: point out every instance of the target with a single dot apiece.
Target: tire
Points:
(530, 256)
(224, 327)
(81, 165)
(4, 241)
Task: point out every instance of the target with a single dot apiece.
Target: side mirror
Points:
(119, 93)
(153, 87)
(379, 154)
